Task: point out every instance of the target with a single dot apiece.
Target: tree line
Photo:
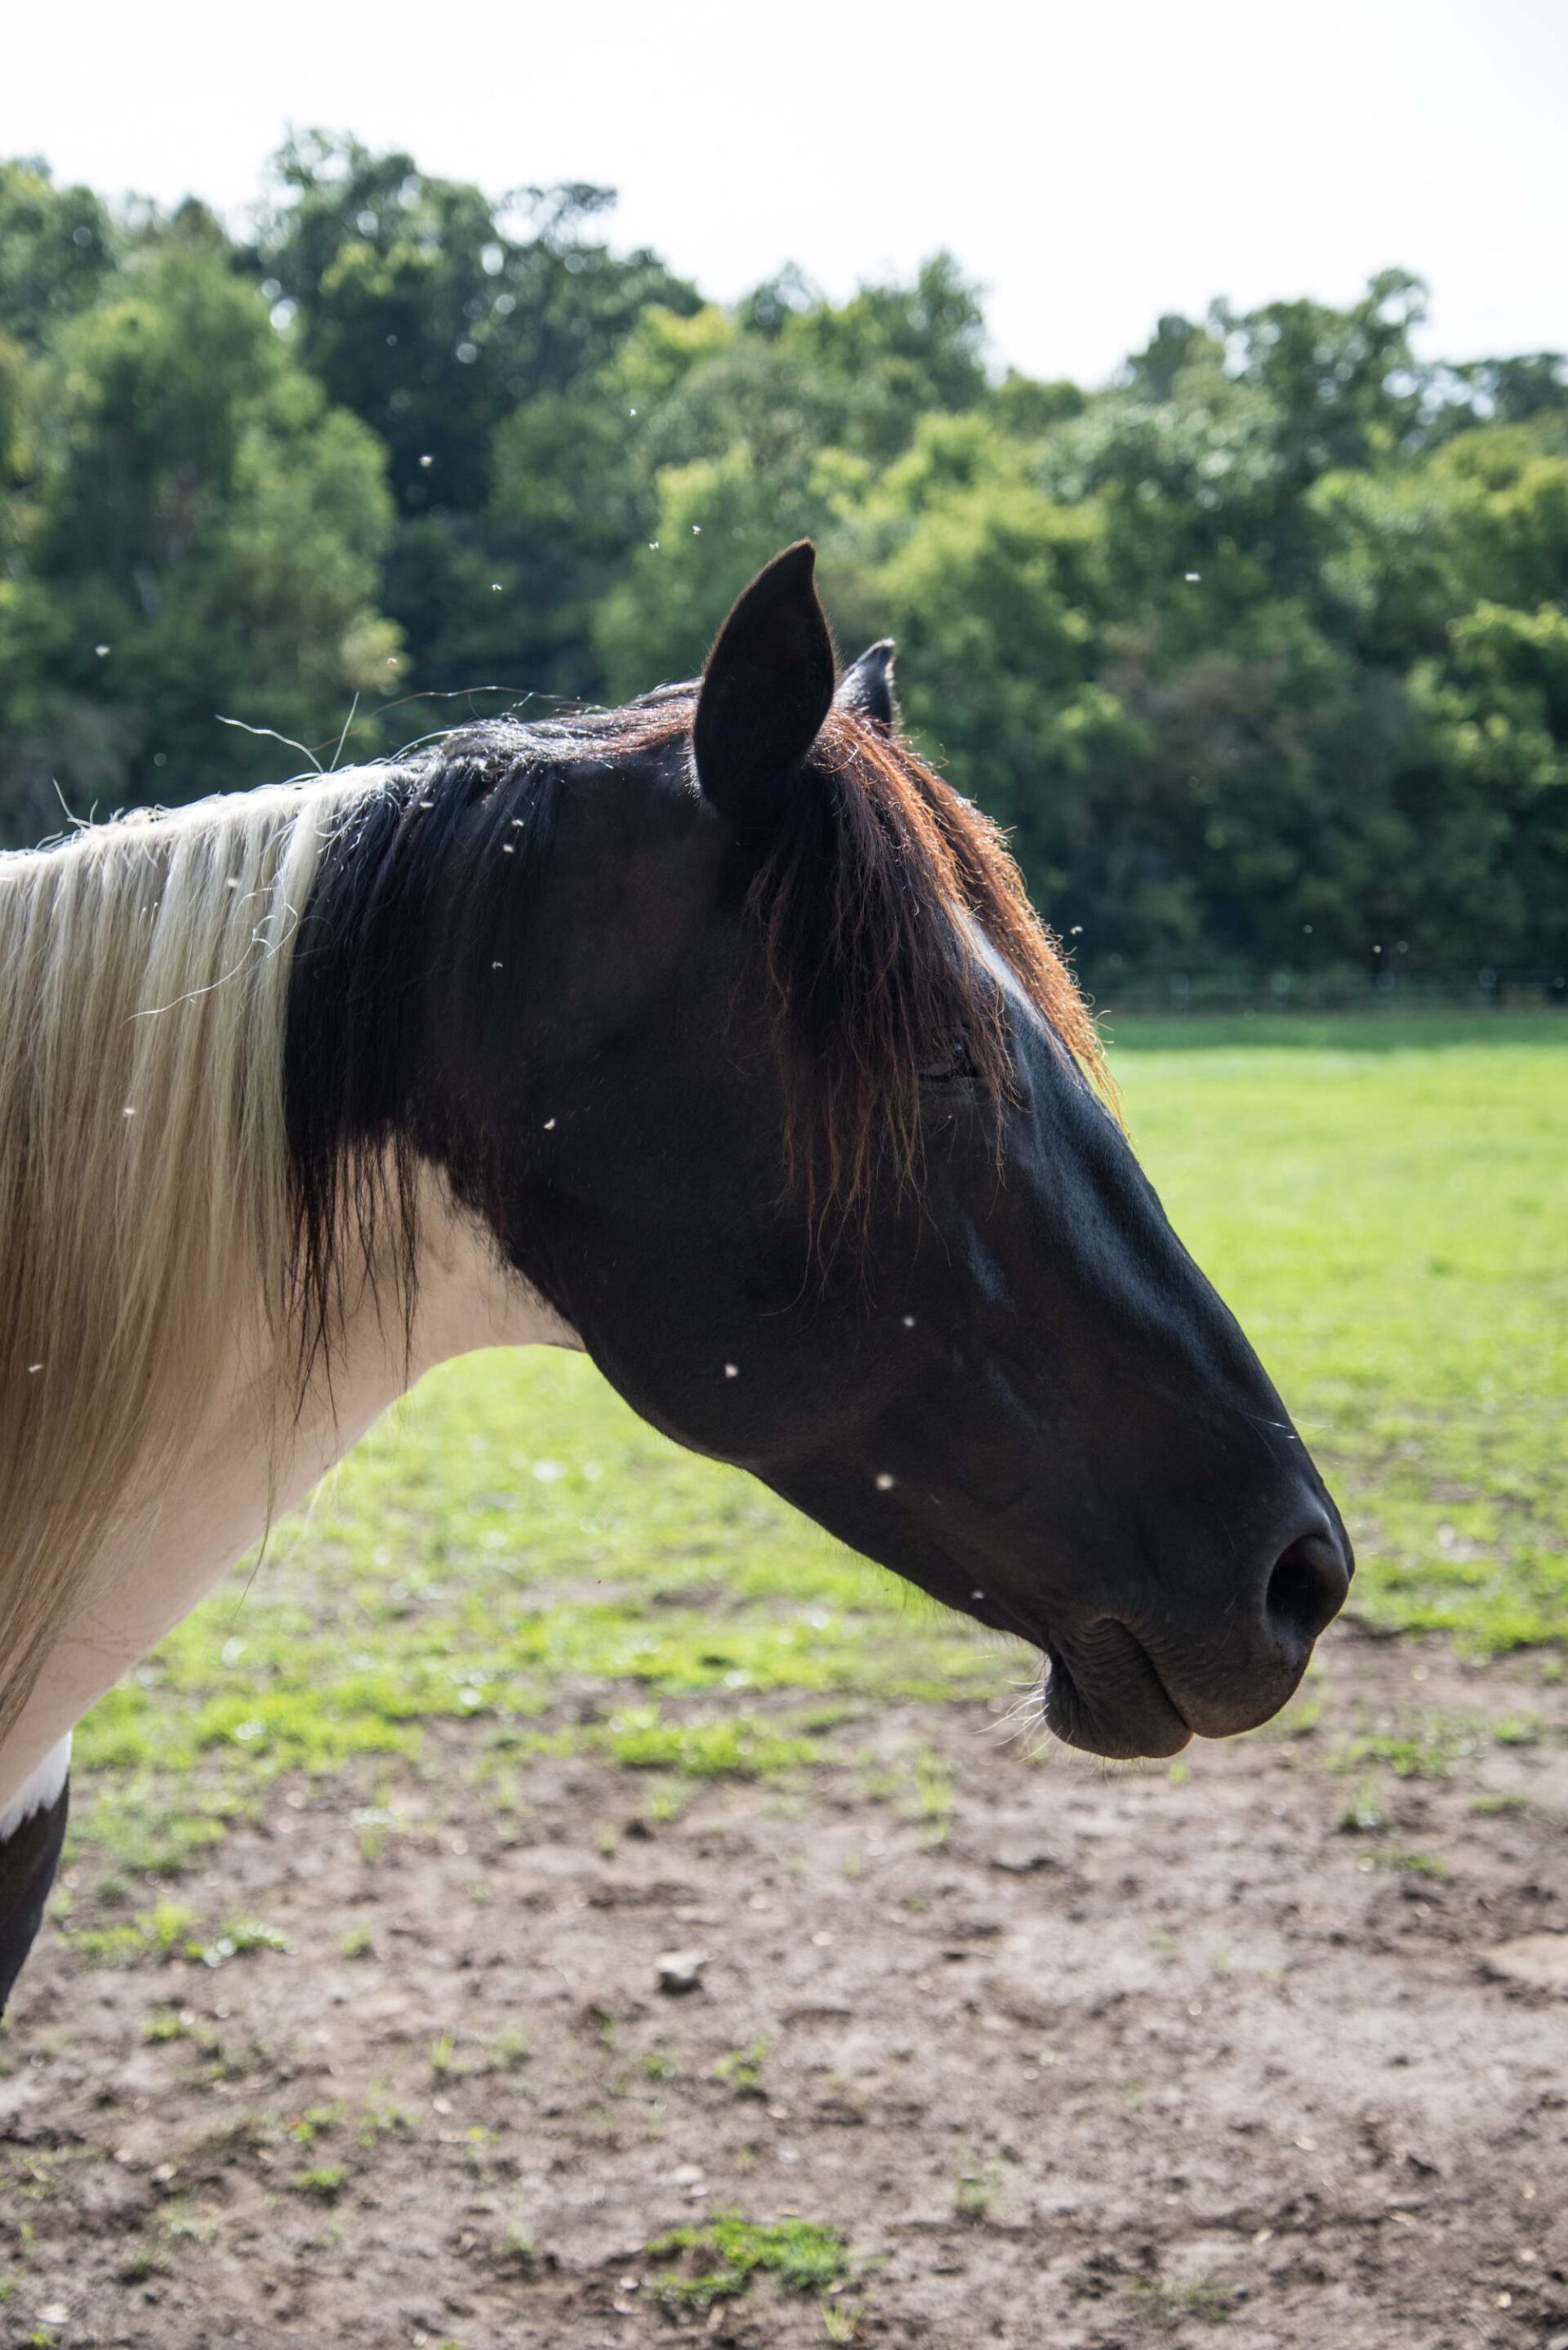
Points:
(1261, 651)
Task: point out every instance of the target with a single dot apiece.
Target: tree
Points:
(766, 425)
(192, 531)
(438, 316)
(56, 248)
(1259, 651)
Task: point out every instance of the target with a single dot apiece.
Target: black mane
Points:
(862, 914)
(362, 948)
(391, 896)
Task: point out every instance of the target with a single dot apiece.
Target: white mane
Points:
(144, 1200)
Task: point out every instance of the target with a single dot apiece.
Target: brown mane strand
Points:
(867, 907)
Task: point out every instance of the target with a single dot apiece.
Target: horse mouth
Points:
(1107, 1698)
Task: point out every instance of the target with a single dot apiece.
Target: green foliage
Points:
(1175, 2305)
(1412, 1864)
(188, 530)
(470, 337)
(170, 1929)
(741, 2070)
(1362, 1814)
(241, 1936)
(1261, 651)
(1388, 1220)
(325, 2180)
(974, 2192)
(154, 1933)
(56, 246)
(802, 2255)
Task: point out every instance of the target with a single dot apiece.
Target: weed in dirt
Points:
(307, 2127)
(166, 1930)
(918, 1788)
(1412, 1864)
(1362, 1814)
(741, 2069)
(356, 1943)
(740, 1746)
(141, 2264)
(325, 2180)
(928, 1799)
(516, 2248)
(803, 2256)
(183, 2221)
(168, 2023)
(380, 2116)
(1491, 1807)
(509, 2050)
(665, 1803)
(150, 1823)
(153, 1933)
(1201, 2301)
(238, 1939)
(1429, 1747)
(975, 2191)
(1429, 1753)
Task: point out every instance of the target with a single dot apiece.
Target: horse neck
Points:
(240, 1473)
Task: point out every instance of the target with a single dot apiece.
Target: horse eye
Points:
(951, 1063)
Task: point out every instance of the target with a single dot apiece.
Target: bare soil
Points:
(1094, 2059)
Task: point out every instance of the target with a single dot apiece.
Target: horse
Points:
(714, 1034)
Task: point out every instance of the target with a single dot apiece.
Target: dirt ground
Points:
(1084, 2058)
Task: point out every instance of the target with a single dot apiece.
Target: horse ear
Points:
(766, 689)
(866, 686)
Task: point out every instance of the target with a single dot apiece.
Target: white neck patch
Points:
(40, 1790)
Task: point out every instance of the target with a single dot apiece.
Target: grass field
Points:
(1382, 1202)
(991, 2043)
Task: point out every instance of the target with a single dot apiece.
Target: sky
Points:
(1091, 166)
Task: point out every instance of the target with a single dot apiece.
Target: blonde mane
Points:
(145, 1209)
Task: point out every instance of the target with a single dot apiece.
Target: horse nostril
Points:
(1306, 1589)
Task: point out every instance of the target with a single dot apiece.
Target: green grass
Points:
(171, 1929)
(726, 2252)
(741, 2069)
(325, 2180)
(1381, 1200)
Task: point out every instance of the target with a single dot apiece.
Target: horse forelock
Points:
(877, 902)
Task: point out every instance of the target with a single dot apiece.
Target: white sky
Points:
(1092, 166)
